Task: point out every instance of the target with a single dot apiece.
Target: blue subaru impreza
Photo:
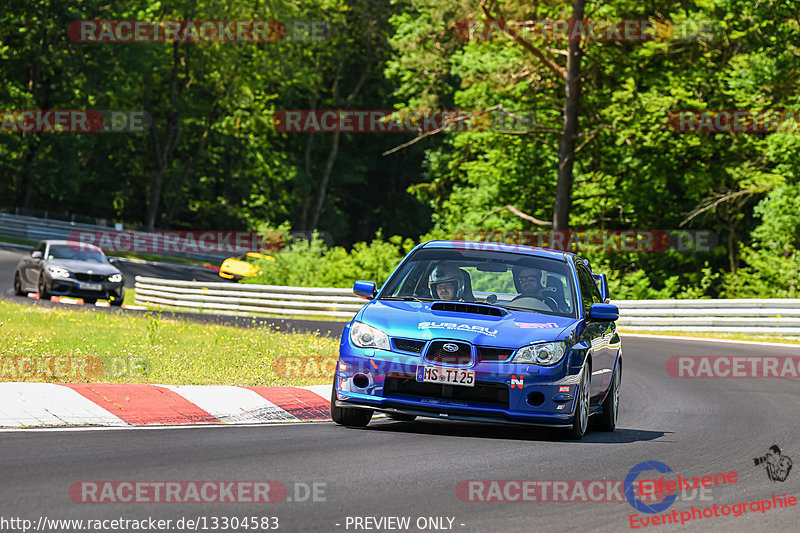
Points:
(484, 332)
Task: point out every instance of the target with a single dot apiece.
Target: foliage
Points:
(230, 168)
(310, 263)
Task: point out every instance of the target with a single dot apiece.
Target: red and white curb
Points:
(24, 405)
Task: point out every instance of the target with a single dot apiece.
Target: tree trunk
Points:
(163, 149)
(334, 150)
(199, 147)
(569, 133)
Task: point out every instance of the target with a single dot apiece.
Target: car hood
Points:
(83, 266)
(416, 320)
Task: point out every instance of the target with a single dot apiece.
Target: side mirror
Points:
(602, 284)
(365, 289)
(36, 254)
(604, 312)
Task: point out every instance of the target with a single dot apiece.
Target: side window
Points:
(590, 294)
(40, 247)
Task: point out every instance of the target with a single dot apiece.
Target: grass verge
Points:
(718, 335)
(41, 344)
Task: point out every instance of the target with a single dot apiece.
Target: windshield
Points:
(513, 281)
(77, 253)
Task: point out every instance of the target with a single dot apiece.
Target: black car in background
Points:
(68, 268)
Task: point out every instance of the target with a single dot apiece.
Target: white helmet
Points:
(443, 273)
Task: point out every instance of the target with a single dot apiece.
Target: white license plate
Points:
(450, 376)
(91, 286)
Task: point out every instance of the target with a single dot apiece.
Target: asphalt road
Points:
(697, 427)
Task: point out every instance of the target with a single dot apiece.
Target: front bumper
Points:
(79, 289)
(503, 392)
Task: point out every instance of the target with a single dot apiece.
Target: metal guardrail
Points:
(770, 316)
(37, 229)
(225, 298)
(753, 316)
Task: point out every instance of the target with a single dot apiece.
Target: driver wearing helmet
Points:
(446, 282)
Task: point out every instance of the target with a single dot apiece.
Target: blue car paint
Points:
(557, 384)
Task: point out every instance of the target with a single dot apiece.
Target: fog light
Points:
(536, 399)
(361, 381)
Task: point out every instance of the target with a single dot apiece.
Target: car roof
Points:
(500, 247)
(66, 243)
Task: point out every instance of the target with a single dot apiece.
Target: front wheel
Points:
(607, 421)
(580, 421)
(43, 294)
(349, 416)
(17, 284)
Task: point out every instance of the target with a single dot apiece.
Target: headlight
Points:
(365, 336)
(546, 353)
(58, 272)
(115, 278)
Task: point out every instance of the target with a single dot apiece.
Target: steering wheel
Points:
(552, 304)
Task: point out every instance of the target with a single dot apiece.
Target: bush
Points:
(312, 264)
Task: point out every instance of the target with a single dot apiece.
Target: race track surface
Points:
(396, 469)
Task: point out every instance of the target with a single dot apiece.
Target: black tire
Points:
(580, 422)
(89, 300)
(401, 417)
(349, 416)
(116, 302)
(17, 285)
(607, 421)
(42, 287)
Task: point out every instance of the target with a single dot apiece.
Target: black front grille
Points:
(461, 356)
(455, 307)
(493, 354)
(494, 394)
(408, 345)
(80, 276)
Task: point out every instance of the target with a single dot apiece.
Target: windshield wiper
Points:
(405, 299)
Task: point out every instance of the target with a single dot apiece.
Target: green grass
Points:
(130, 297)
(16, 240)
(72, 345)
(719, 335)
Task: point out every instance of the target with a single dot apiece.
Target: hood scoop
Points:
(473, 309)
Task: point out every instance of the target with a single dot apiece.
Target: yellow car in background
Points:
(243, 266)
